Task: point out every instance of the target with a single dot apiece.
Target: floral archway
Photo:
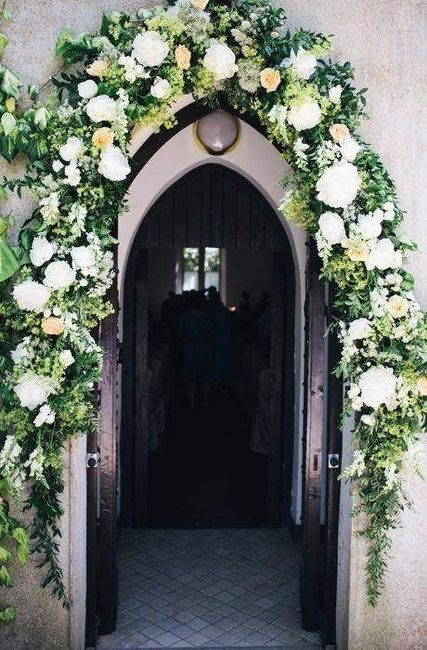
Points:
(54, 282)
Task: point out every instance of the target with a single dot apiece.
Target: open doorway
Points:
(207, 425)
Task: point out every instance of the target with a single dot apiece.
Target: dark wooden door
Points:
(312, 553)
(277, 390)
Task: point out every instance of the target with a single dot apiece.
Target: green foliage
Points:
(68, 213)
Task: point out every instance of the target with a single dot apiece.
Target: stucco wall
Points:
(384, 40)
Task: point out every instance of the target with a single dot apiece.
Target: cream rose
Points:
(303, 63)
(113, 164)
(103, 137)
(52, 325)
(199, 4)
(72, 149)
(360, 328)
(397, 306)
(102, 109)
(338, 185)
(331, 226)
(149, 49)
(41, 250)
(270, 79)
(421, 386)
(339, 132)
(378, 386)
(33, 390)
(31, 296)
(97, 68)
(87, 89)
(161, 88)
(357, 251)
(221, 61)
(59, 275)
(182, 57)
(305, 116)
(382, 255)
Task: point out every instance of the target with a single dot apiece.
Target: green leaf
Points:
(5, 578)
(8, 123)
(4, 554)
(7, 614)
(3, 42)
(10, 84)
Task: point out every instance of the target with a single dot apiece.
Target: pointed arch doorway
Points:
(319, 548)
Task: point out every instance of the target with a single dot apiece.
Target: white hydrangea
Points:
(133, 69)
(338, 186)
(303, 63)
(41, 250)
(221, 61)
(378, 386)
(360, 328)
(33, 390)
(59, 275)
(113, 164)
(31, 296)
(305, 115)
(72, 174)
(24, 353)
(149, 49)
(83, 259)
(382, 255)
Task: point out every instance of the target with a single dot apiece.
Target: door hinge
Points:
(333, 461)
(92, 460)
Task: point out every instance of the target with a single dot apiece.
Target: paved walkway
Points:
(214, 588)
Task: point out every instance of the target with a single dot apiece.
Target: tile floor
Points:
(215, 588)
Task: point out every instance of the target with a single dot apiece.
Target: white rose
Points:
(378, 386)
(382, 256)
(72, 174)
(360, 328)
(338, 185)
(113, 164)
(335, 94)
(66, 358)
(161, 88)
(87, 89)
(332, 227)
(33, 390)
(59, 275)
(150, 49)
(83, 257)
(102, 109)
(349, 149)
(221, 61)
(31, 296)
(369, 420)
(41, 250)
(45, 415)
(303, 63)
(370, 225)
(72, 149)
(305, 116)
(57, 166)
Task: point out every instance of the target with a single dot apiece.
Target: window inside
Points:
(201, 268)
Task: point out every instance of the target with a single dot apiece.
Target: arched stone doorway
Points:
(316, 581)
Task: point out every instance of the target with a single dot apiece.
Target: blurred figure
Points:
(222, 339)
(197, 347)
(262, 316)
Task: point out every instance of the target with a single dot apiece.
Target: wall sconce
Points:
(217, 132)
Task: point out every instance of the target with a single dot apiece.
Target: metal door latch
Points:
(333, 461)
(92, 460)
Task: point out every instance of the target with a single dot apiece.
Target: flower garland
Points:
(131, 72)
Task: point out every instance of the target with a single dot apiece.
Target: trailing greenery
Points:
(131, 72)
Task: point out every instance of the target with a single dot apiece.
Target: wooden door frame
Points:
(185, 117)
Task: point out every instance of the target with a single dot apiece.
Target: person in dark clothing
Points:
(197, 336)
(222, 341)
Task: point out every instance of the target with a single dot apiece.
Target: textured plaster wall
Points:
(386, 42)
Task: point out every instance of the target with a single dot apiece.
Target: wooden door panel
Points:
(312, 560)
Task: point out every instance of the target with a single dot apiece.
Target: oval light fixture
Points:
(217, 132)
